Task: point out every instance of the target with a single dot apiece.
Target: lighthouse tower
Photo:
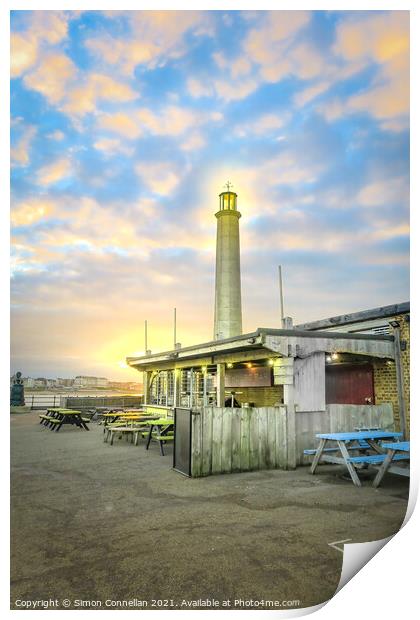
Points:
(227, 306)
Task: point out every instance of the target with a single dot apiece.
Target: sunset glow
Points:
(127, 125)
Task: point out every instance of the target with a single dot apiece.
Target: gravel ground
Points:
(95, 526)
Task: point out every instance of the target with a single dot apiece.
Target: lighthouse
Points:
(227, 304)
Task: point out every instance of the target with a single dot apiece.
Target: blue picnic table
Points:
(361, 441)
(396, 451)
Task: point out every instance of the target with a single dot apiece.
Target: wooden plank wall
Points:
(226, 440)
(310, 383)
(338, 419)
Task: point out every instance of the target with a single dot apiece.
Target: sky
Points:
(125, 127)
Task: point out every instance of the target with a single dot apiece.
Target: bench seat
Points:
(377, 458)
(337, 449)
(163, 437)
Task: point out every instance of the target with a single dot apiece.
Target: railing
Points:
(42, 401)
(90, 402)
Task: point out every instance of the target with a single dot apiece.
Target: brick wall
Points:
(260, 396)
(385, 381)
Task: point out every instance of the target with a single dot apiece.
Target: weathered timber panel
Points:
(310, 383)
(338, 419)
(232, 440)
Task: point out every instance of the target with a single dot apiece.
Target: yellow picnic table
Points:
(163, 434)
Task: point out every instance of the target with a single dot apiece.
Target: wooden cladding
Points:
(226, 440)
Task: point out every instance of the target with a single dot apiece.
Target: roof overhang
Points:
(266, 341)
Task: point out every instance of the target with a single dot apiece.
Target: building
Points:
(335, 374)
(60, 382)
(380, 377)
(85, 381)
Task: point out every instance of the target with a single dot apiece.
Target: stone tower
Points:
(227, 304)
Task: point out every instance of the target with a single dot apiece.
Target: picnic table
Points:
(394, 449)
(361, 441)
(129, 425)
(113, 416)
(161, 430)
(56, 417)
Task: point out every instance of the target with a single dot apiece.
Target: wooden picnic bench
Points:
(56, 417)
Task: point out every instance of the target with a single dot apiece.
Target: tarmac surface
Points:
(96, 526)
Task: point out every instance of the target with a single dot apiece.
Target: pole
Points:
(174, 328)
(281, 296)
(400, 382)
(145, 337)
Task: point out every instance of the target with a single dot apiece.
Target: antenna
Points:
(281, 296)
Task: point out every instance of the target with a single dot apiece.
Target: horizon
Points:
(126, 127)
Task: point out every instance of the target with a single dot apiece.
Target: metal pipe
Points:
(400, 381)
(281, 296)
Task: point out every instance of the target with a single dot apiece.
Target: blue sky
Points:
(125, 127)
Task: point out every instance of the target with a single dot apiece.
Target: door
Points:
(349, 384)
(182, 444)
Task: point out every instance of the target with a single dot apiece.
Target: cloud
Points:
(378, 37)
(169, 121)
(120, 123)
(54, 172)
(154, 37)
(95, 88)
(308, 94)
(159, 177)
(380, 40)
(266, 45)
(198, 89)
(23, 54)
(232, 91)
(19, 153)
(43, 29)
(56, 135)
(111, 146)
(385, 191)
(263, 125)
(31, 210)
(272, 49)
(193, 142)
(52, 77)
(172, 121)
(73, 91)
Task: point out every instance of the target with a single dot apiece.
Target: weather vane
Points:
(228, 185)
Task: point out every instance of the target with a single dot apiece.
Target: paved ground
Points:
(91, 522)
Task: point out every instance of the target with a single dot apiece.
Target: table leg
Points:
(350, 466)
(375, 446)
(383, 468)
(60, 425)
(318, 455)
(149, 438)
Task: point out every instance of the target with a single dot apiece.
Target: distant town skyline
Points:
(78, 382)
(126, 127)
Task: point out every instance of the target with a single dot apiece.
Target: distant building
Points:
(40, 382)
(86, 381)
(129, 386)
(64, 382)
